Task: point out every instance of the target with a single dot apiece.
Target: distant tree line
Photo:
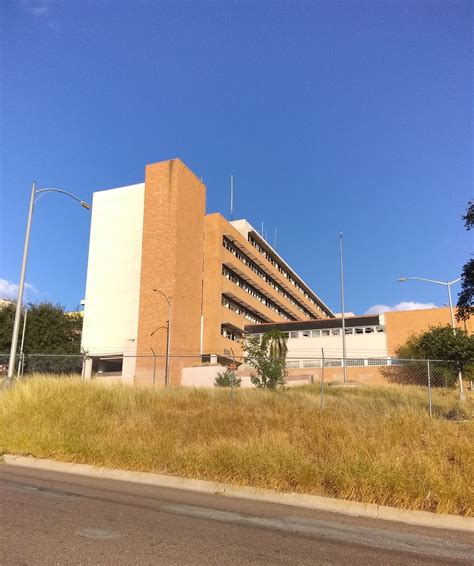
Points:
(49, 329)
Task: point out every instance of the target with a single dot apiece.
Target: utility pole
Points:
(21, 361)
(343, 314)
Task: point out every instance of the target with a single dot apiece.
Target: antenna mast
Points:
(231, 197)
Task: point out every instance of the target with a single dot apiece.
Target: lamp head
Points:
(402, 279)
(85, 205)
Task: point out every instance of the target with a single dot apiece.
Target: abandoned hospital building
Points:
(165, 277)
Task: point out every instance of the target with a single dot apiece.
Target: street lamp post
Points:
(451, 311)
(35, 195)
(21, 361)
(168, 336)
(343, 313)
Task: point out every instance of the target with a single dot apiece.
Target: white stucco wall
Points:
(372, 345)
(113, 271)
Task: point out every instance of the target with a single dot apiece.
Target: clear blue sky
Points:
(334, 116)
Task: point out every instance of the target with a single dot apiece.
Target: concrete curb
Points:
(355, 508)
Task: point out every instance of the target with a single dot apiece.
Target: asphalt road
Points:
(52, 518)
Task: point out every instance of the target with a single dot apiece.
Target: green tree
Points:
(227, 378)
(466, 296)
(267, 356)
(440, 343)
(49, 330)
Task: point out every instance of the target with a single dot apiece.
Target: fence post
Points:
(429, 386)
(322, 379)
(234, 365)
(154, 367)
(83, 373)
(21, 363)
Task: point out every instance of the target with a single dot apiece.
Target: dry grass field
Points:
(371, 444)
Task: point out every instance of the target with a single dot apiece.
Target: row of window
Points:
(231, 333)
(228, 245)
(251, 290)
(284, 272)
(247, 313)
(354, 362)
(335, 331)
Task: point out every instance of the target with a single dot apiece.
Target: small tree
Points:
(440, 343)
(227, 378)
(267, 355)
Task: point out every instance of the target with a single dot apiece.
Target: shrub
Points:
(227, 378)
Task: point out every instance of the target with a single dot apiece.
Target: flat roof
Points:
(317, 324)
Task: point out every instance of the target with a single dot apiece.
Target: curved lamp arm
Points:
(163, 295)
(41, 192)
(402, 279)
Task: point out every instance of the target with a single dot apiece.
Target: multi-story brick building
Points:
(152, 243)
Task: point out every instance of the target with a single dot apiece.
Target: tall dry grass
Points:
(368, 444)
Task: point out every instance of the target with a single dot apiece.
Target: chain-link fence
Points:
(432, 379)
(55, 364)
(440, 385)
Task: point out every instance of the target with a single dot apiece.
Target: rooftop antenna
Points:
(262, 230)
(231, 197)
(275, 239)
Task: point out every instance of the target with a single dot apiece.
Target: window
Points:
(380, 329)
(294, 334)
(325, 332)
(306, 333)
(377, 362)
(251, 290)
(335, 332)
(355, 362)
(369, 329)
(315, 333)
(311, 363)
(231, 333)
(359, 331)
(349, 331)
(332, 363)
(241, 256)
(270, 257)
(293, 364)
(242, 311)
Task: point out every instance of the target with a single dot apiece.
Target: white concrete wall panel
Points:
(373, 345)
(113, 272)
